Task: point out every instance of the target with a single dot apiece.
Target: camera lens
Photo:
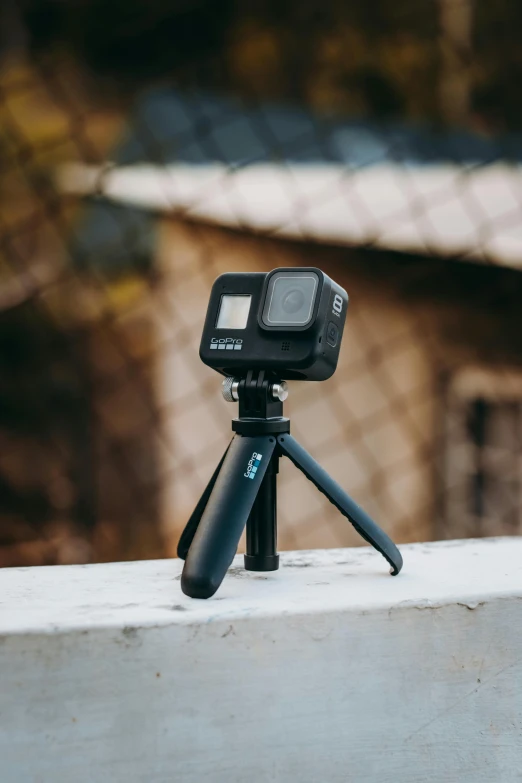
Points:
(290, 298)
(293, 301)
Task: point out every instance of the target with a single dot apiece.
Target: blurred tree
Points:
(134, 40)
(497, 66)
(380, 58)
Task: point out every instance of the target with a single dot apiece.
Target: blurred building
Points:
(414, 421)
(401, 178)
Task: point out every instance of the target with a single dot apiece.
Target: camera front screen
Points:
(233, 311)
(290, 299)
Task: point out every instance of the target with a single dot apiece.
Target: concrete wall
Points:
(328, 670)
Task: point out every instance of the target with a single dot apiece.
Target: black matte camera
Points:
(289, 322)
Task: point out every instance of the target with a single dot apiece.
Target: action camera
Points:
(288, 322)
(261, 330)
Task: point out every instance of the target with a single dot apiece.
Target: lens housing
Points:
(290, 299)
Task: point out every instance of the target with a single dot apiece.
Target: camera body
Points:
(288, 322)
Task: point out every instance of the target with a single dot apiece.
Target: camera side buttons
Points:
(332, 334)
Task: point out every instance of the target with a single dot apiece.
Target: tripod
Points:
(242, 491)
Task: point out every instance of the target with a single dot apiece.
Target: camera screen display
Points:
(233, 311)
(290, 299)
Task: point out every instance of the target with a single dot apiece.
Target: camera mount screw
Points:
(230, 390)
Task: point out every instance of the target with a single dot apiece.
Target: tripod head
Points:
(308, 310)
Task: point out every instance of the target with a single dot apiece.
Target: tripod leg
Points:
(364, 524)
(190, 528)
(226, 513)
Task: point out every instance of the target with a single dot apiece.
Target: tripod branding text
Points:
(226, 344)
(253, 464)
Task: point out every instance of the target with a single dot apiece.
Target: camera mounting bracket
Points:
(260, 400)
(243, 492)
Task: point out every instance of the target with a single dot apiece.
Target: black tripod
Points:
(242, 491)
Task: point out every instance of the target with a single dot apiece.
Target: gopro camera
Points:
(288, 322)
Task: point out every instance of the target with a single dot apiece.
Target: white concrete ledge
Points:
(328, 670)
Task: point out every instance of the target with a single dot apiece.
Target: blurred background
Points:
(147, 147)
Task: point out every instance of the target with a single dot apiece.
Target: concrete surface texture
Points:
(327, 670)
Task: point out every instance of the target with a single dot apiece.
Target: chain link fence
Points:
(147, 149)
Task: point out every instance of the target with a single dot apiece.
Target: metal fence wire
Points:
(145, 149)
